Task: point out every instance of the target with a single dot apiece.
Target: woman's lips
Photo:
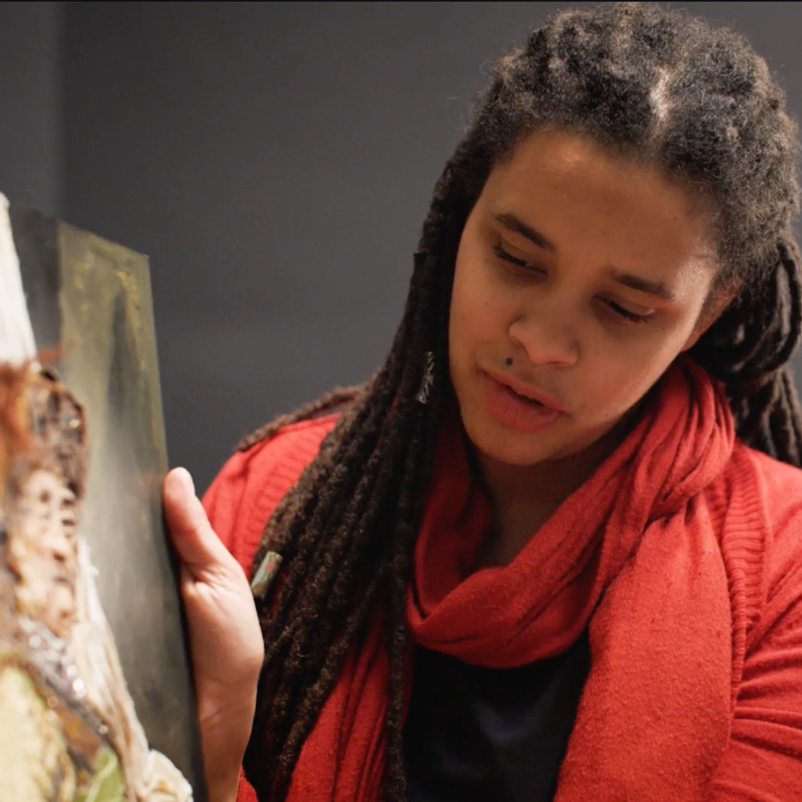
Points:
(519, 407)
(526, 390)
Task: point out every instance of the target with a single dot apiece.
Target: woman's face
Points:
(580, 276)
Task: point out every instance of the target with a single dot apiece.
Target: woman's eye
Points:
(625, 314)
(514, 260)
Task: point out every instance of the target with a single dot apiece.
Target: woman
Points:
(551, 549)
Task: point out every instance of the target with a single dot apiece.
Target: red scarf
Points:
(634, 555)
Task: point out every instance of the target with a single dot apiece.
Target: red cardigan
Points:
(764, 760)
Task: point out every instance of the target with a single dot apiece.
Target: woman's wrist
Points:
(224, 742)
(224, 789)
(225, 727)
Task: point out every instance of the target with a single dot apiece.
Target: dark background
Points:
(274, 160)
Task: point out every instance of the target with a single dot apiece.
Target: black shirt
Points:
(499, 734)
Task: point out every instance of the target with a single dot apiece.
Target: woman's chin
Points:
(508, 446)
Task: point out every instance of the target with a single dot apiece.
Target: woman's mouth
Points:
(518, 408)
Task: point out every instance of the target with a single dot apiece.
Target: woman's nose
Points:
(546, 336)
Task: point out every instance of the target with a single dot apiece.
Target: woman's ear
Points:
(718, 300)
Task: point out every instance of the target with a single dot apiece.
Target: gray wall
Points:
(30, 100)
(276, 160)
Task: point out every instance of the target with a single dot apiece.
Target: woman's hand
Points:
(225, 638)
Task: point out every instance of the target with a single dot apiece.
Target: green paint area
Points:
(48, 752)
(107, 783)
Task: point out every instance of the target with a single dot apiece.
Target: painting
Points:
(96, 696)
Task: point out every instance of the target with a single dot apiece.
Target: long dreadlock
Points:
(643, 82)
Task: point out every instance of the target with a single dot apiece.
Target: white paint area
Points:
(17, 343)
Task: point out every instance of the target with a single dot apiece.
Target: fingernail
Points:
(186, 478)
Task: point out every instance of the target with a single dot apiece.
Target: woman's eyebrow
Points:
(515, 224)
(656, 288)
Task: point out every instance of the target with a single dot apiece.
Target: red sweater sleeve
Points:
(249, 487)
(763, 762)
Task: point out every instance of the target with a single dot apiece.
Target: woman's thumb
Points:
(196, 543)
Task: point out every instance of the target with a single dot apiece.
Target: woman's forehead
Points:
(566, 190)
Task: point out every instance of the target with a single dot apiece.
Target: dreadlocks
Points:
(643, 82)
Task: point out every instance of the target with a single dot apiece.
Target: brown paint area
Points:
(14, 430)
(43, 486)
(54, 742)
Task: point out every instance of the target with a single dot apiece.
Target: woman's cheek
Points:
(475, 304)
